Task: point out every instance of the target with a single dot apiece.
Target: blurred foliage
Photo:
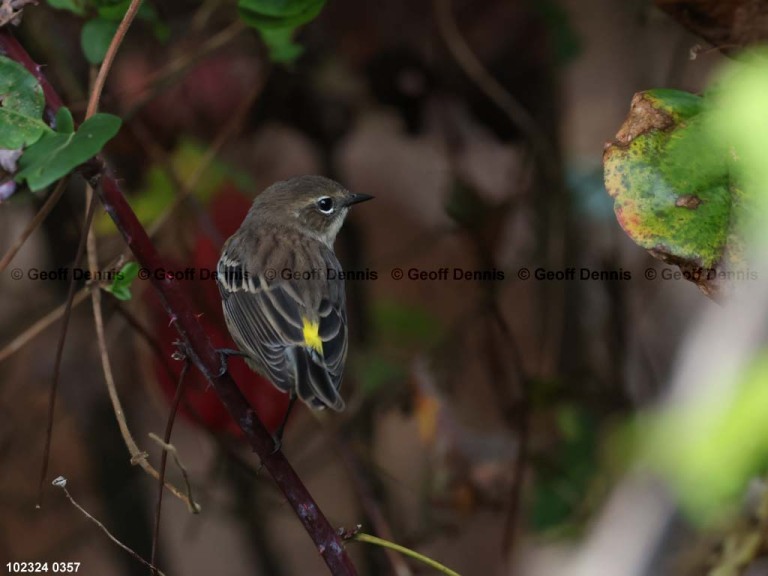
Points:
(376, 371)
(406, 325)
(566, 42)
(277, 20)
(674, 145)
(75, 6)
(739, 118)
(160, 189)
(400, 329)
(737, 552)
(680, 175)
(121, 285)
(95, 38)
(565, 475)
(466, 207)
(711, 448)
(104, 17)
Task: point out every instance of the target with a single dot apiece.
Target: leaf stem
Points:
(363, 537)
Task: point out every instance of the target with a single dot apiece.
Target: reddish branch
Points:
(195, 339)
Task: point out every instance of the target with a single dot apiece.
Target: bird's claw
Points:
(224, 354)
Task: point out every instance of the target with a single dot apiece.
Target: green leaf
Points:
(279, 8)
(20, 90)
(161, 30)
(121, 285)
(17, 130)
(116, 10)
(739, 117)
(64, 122)
(673, 187)
(56, 154)
(21, 106)
(75, 6)
(281, 46)
(113, 10)
(95, 38)
(250, 12)
(277, 21)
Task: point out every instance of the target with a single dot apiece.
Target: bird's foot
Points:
(278, 437)
(225, 353)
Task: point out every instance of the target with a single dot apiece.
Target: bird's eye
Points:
(325, 204)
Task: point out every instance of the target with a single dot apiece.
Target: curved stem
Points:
(49, 204)
(106, 65)
(205, 357)
(363, 537)
(164, 458)
(60, 354)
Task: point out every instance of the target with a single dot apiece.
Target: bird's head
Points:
(313, 204)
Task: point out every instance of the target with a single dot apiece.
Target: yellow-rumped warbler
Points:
(282, 289)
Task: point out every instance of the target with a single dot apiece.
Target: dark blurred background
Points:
(479, 411)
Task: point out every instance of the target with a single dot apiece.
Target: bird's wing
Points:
(298, 347)
(332, 325)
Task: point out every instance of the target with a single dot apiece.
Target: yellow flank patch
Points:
(312, 336)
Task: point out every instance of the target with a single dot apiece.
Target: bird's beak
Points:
(357, 198)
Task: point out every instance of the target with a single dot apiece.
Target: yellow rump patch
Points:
(312, 335)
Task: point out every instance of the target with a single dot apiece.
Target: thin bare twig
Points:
(543, 148)
(50, 202)
(522, 430)
(60, 354)
(44, 322)
(137, 456)
(206, 358)
(163, 358)
(61, 482)
(150, 340)
(186, 187)
(175, 453)
(209, 362)
(109, 58)
(162, 77)
(40, 325)
(202, 16)
(370, 504)
(164, 455)
(477, 72)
